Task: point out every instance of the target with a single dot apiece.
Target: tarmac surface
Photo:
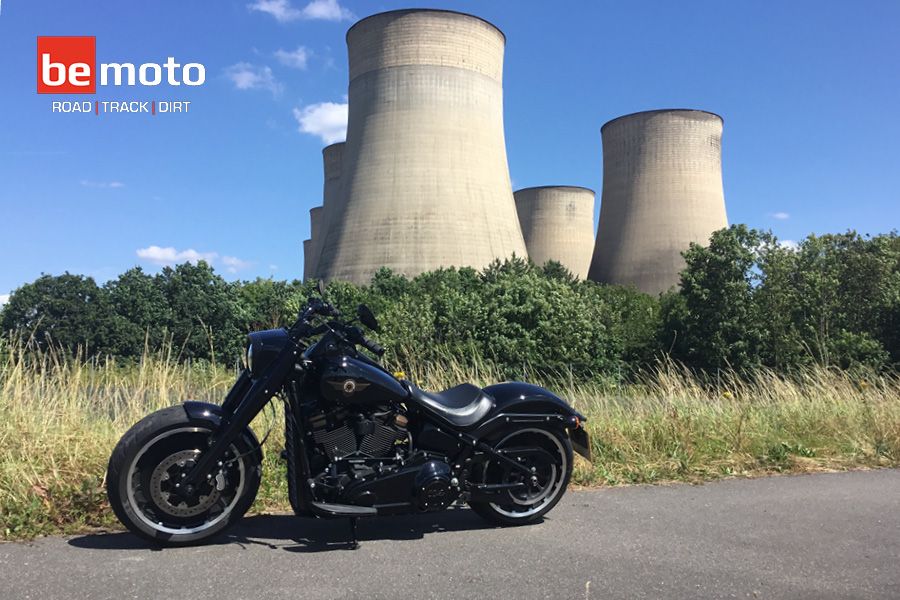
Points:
(834, 535)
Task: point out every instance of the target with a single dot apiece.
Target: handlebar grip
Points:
(373, 347)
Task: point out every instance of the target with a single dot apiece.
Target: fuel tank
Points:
(350, 381)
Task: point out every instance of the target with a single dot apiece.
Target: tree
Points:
(830, 301)
(67, 310)
(720, 326)
(745, 300)
(205, 313)
(141, 313)
(267, 303)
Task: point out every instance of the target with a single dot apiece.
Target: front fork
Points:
(245, 400)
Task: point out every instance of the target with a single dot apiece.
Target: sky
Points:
(809, 90)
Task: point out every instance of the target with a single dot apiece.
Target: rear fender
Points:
(524, 403)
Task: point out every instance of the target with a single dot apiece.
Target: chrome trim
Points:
(181, 531)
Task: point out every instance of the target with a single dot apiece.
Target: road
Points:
(833, 535)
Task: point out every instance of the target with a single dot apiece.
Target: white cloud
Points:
(296, 59)
(328, 120)
(327, 10)
(789, 244)
(234, 264)
(4, 298)
(169, 256)
(284, 11)
(102, 184)
(246, 76)
(781, 216)
(280, 9)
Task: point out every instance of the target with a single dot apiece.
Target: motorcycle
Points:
(359, 442)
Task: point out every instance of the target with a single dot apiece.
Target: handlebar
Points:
(316, 306)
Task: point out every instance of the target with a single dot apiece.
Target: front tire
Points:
(550, 478)
(147, 463)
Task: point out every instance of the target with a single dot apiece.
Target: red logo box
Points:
(67, 65)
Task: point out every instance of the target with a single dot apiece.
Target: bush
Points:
(745, 302)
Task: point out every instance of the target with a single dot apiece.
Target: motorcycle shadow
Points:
(301, 534)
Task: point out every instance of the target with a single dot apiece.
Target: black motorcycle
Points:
(359, 442)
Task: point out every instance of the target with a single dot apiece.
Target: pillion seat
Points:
(462, 406)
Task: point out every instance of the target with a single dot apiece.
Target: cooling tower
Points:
(307, 259)
(662, 190)
(558, 224)
(315, 238)
(425, 182)
(332, 158)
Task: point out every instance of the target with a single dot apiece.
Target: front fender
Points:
(516, 401)
(204, 411)
(213, 414)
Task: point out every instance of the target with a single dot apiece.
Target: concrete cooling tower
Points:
(307, 260)
(662, 190)
(425, 181)
(332, 159)
(558, 224)
(315, 237)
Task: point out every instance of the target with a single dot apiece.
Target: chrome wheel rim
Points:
(152, 520)
(534, 502)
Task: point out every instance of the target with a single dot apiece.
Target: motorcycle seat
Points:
(462, 406)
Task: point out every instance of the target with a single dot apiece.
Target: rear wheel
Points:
(550, 474)
(148, 465)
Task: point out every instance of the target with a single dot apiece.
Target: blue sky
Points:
(810, 92)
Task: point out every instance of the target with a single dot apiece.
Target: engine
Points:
(366, 459)
(341, 433)
(351, 447)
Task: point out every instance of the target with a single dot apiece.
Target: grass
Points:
(60, 418)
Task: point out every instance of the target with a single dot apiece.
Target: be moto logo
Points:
(68, 65)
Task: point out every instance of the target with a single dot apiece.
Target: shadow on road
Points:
(296, 534)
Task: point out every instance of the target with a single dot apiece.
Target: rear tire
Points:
(150, 458)
(522, 508)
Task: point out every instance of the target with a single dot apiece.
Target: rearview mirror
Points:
(366, 317)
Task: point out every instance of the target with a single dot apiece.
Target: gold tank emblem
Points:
(349, 386)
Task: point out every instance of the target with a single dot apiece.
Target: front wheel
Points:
(551, 471)
(143, 480)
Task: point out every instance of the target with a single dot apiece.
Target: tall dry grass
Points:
(60, 418)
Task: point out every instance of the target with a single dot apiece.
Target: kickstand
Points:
(354, 542)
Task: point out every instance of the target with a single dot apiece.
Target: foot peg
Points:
(323, 509)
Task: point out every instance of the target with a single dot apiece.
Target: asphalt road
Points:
(813, 536)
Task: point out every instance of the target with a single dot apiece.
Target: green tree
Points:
(205, 314)
(66, 310)
(141, 313)
(720, 326)
(831, 300)
(267, 304)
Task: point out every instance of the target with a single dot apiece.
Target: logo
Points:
(68, 65)
(349, 386)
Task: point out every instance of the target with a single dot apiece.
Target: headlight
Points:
(250, 357)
